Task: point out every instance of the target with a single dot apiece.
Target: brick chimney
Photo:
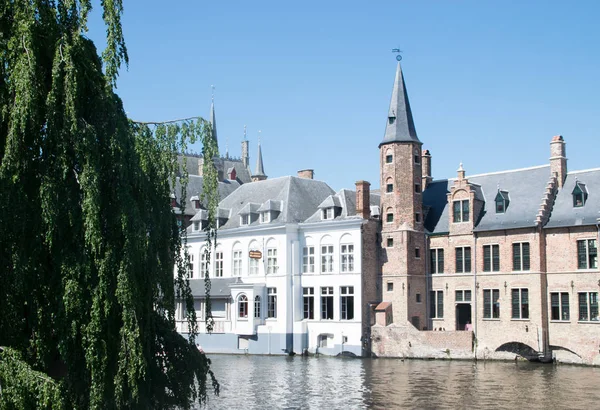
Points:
(425, 169)
(363, 203)
(306, 173)
(558, 159)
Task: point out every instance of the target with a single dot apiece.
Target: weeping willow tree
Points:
(88, 239)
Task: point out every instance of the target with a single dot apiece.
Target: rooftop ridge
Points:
(581, 171)
(496, 172)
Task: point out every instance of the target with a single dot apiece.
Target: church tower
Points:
(403, 236)
(259, 173)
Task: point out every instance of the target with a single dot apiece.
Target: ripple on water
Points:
(278, 382)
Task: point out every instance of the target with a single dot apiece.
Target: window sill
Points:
(560, 321)
(491, 319)
(514, 319)
(593, 322)
(437, 318)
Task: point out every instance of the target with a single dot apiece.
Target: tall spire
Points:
(259, 173)
(213, 120)
(400, 126)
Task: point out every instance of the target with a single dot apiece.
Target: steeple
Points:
(213, 120)
(259, 173)
(400, 126)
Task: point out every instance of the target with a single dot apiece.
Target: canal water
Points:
(280, 382)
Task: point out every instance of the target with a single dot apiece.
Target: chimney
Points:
(306, 173)
(363, 203)
(461, 172)
(558, 159)
(425, 169)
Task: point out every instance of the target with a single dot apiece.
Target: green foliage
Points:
(88, 239)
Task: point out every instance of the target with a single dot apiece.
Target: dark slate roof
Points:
(403, 128)
(564, 214)
(242, 172)
(260, 170)
(219, 287)
(344, 199)
(526, 188)
(299, 198)
(194, 188)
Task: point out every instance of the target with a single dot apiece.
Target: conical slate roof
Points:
(213, 122)
(400, 126)
(260, 171)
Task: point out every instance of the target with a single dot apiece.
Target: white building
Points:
(294, 269)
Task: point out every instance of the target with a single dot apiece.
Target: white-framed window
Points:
(463, 259)
(219, 264)
(462, 296)
(308, 299)
(242, 307)
(588, 307)
(272, 266)
(491, 303)
(491, 258)
(257, 307)
(347, 256)
(245, 219)
(253, 266)
(436, 304)
(203, 262)
(587, 254)
(308, 259)
(196, 225)
(460, 211)
(190, 264)
(347, 301)
(327, 303)
(265, 217)
(326, 258)
(521, 256)
(237, 262)
(437, 260)
(559, 306)
(271, 302)
(520, 303)
(327, 213)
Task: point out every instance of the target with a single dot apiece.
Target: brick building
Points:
(510, 255)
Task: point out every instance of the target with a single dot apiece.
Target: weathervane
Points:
(397, 51)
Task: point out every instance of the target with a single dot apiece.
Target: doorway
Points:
(463, 315)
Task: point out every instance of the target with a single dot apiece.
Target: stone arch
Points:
(520, 349)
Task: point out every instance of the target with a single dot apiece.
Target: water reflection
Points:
(261, 382)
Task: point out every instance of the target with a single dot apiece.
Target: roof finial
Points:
(212, 98)
(244, 133)
(460, 167)
(259, 131)
(397, 51)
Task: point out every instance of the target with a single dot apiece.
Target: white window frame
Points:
(327, 213)
(434, 304)
(327, 292)
(588, 261)
(589, 317)
(203, 262)
(237, 262)
(308, 301)
(271, 303)
(518, 315)
(308, 259)
(347, 303)
(462, 214)
(327, 259)
(492, 254)
(521, 268)
(245, 220)
(265, 217)
(257, 306)
(435, 260)
(219, 264)
(563, 316)
(347, 257)
(241, 301)
(272, 266)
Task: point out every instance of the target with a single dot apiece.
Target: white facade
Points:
(260, 305)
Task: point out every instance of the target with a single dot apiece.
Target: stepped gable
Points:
(525, 187)
(564, 213)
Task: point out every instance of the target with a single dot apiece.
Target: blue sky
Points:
(489, 83)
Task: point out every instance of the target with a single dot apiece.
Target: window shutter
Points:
(440, 302)
(515, 304)
(525, 255)
(486, 258)
(524, 303)
(516, 256)
(440, 260)
(583, 309)
(487, 303)
(581, 256)
(496, 255)
(465, 211)
(467, 259)
(459, 260)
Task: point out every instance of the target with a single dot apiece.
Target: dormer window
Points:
(391, 120)
(195, 201)
(265, 217)
(327, 213)
(501, 202)
(579, 195)
(196, 225)
(245, 219)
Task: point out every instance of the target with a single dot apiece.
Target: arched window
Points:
(257, 307)
(253, 263)
(243, 307)
(237, 260)
(203, 262)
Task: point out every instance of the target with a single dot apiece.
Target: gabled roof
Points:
(564, 214)
(526, 187)
(346, 200)
(249, 208)
(330, 201)
(270, 205)
(400, 126)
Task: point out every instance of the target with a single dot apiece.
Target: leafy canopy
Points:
(88, 239)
